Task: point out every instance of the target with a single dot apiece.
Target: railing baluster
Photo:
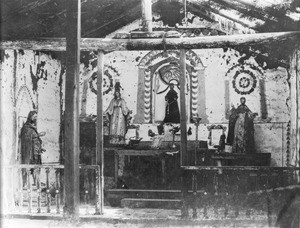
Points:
(216, 188)
(184, 195)
(29, 190)
(194, 185)
(86, 190)
(57, 190)
(97, 204)
(269, 206)
(205, 193)
(226, 196)
(48, 196)
(236, 200)
(205, 204)
(38, 186)
(20, 190)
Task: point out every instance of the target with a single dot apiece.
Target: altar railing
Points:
(235, 191)
(40, 188)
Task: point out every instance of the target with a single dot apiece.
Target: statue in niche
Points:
(241, 128)
(118, 115)
(172, 110)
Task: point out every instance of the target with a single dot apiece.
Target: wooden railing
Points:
(208, 191)
(40, 188)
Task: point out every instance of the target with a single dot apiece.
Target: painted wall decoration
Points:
(244, 82)
(110, 76)
(40, 73)
(89, 86)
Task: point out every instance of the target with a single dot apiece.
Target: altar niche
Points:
(157, 71)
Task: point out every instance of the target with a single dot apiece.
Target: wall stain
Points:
(41, 73)
(3, 55)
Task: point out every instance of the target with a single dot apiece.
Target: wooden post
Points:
(71, 177)
(147, 15)
(99, 131)
(183, 132)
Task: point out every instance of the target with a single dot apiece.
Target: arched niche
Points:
(245, 80)
(150, 68)
(24, 103)
(167, 73)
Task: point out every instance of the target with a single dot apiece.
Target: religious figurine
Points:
(241, 128)
(118, 115)
(172, 110)
(31, 145)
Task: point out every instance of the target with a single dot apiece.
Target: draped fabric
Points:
(117, 111)
(172, 110)
(241, 130)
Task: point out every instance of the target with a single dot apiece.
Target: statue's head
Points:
(32, 117)
(243, 100)
(172, 86)
(117, 94)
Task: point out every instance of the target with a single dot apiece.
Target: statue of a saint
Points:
(118, 115)
(31, 145)
(172, 110)
(241, 128)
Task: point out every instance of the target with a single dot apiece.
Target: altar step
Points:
(144, 198)
(151, 203)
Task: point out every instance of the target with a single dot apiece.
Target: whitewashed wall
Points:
(18, 95)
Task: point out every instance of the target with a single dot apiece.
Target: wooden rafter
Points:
(196, 10)
(217, 12)
(108, 45)
(252, 11)
(255, 12)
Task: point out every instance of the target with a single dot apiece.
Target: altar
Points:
(127, 153)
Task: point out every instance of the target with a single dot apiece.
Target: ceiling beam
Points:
(252, 11)
(246, 10)
(196, 10)
(109, 45)
(216, 11)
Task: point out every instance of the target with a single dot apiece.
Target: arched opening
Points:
(157, 71)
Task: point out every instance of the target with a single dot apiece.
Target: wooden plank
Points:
(183, 131)
(109, 45)
(143, 152)
(71, 173)
(241, 168)
(99, 129)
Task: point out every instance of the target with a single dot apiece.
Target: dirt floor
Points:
(125, 217)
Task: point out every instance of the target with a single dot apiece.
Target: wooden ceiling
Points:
(25, 19)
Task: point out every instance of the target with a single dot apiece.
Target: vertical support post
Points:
(227, 99)
(147, 15)
(183, 132)
(71, 176)
(99, 130)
